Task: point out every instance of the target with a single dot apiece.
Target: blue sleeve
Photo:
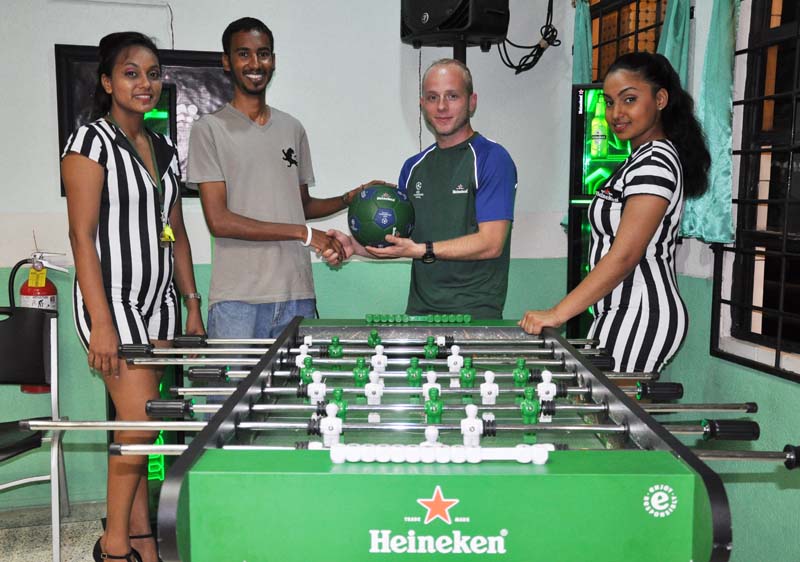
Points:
(404, 173)
(497, 185)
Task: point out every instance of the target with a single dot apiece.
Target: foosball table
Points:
(433, 439)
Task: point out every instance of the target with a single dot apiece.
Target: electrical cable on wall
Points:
(549, 37)
(146, 3)
(419, 81)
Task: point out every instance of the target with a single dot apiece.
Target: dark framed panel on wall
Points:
(194, 85)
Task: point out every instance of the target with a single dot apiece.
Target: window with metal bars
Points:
(756, 294)
(623, 26)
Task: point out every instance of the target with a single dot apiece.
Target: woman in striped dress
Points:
(129, 241)
(640, 318)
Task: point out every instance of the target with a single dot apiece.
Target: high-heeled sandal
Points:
(99, 555)
(149, 535)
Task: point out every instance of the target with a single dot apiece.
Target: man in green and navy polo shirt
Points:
(462, 189)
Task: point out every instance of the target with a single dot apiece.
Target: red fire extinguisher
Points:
(39, 292)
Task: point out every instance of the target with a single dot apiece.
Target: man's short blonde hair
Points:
(452, 62)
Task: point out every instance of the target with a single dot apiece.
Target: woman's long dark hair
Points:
(110, 47)
(677, 118)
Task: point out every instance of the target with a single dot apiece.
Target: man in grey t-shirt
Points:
(252, 165)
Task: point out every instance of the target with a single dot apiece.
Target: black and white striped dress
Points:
(136, 270)
(643, 321)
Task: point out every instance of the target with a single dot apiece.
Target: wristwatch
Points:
(428, 256)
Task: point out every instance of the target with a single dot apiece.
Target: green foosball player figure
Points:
(414, 378)
(373, 339)
(430, 348)
(521, 375)
(335, 351)
(433, 407)
(306, 370)
(360, 377)
(466, 377)
(338, 399)
(530, 409)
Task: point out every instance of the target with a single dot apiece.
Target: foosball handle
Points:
(659, 391)
(793, 458)
(731, 430)
(208, 374)
(190, 341)
(135, 350)
(602, 361)
(168, 408)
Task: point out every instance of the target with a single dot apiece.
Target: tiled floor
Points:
(25, 534)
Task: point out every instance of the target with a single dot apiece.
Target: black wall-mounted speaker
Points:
(443, 23)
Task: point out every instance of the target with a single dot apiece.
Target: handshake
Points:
(380, 220)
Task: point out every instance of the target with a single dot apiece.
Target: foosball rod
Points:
(177, 408)
(399, 390)
(199, 341)
(353, 351)
(790, 456)
(399, 362)
(45, 425)
(217, 373)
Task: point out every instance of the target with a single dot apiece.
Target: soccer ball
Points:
(377, 211)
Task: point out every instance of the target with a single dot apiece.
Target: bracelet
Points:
(309, 234)
(193, 296)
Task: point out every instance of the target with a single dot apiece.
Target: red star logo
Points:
(437, 506)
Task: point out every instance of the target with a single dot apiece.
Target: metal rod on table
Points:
(401, 362)
(292, 391)
(403, 341)
(359, 351)
(410, 426)
(174, 450)
(235, 374)
(310, 408)
(747, 407)
(38, 425)
(769, 456)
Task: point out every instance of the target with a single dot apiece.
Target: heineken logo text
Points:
(437, 506)
(384, 542)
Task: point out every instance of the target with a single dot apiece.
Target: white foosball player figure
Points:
(454, 364)
(546, 390)
(430, 376)
(489, 389)
(373, 390)
(330, 426)
(316, 388)
(379, 361)
(431, 437)
(454, 360)
(299, 360)
(472, 427)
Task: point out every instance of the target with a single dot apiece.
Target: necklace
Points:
(167, 236)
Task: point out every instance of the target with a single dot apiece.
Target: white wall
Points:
(341, 69)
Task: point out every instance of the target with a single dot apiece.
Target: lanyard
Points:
(167, 236)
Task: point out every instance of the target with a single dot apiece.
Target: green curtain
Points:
(674, 40)
(582, 47)
(709, 217)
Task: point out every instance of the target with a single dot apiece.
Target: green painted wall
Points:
(764, 497)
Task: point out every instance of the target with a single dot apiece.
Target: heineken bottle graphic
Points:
(599, 130)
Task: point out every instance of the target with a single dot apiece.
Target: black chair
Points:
(29, 356)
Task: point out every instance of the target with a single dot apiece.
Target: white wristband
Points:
(309, 234)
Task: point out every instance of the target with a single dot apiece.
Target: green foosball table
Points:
(590, 475)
